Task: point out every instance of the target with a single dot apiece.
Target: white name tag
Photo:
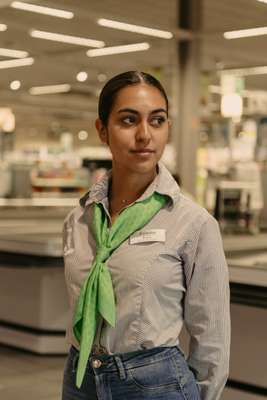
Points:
(152, 235)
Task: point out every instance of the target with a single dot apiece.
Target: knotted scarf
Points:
(97, 296)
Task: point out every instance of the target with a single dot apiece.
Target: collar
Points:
(163, 184)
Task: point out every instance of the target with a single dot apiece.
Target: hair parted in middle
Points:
(114, 85)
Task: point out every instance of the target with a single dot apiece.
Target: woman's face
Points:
(137, 128)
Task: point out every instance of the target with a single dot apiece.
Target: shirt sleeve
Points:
(206, 312)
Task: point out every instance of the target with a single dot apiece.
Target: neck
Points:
(134, 185)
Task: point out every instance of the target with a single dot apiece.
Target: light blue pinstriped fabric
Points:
(159, 286)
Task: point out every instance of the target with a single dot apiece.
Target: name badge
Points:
(152, 235)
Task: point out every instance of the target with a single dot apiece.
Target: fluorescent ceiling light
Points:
(134, 28)
(247, 71)
(118, 49)
(3, 27)
(13, 53)
(54, 12)
(16, 63)
(245, 33)
(50, 89)
(58, 37)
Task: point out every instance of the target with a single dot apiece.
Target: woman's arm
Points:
(206, 312)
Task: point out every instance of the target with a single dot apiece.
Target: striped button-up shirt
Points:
(169, 273)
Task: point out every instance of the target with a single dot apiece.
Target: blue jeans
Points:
(159, 373)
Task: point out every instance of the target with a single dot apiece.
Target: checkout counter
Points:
(33, 298)
(247, 261)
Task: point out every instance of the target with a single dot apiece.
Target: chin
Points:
(136, 166)
(144, 167)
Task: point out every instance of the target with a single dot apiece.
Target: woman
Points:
(141, 259)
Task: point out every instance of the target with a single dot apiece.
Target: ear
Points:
(102, 131)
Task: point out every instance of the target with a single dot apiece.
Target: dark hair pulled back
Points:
(114, 85)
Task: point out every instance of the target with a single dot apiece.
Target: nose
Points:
(143, 132)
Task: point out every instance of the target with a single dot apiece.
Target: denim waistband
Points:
(109, 362)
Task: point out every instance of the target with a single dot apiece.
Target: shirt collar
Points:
(166, 184)
(163, 183)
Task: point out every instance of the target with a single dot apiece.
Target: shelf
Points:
(59, 183)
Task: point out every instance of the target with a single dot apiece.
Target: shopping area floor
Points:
(27, 376)
(32, 377)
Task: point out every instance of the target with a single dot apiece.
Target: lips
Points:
(143, 154)
(143, 151)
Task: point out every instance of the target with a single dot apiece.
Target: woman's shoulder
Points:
(74, 215)
(188, 208)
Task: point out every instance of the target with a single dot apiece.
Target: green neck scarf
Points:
(97, 296)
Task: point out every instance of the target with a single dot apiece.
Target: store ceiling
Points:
(227, 15)
(57, 63)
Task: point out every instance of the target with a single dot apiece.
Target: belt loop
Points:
(120, 367)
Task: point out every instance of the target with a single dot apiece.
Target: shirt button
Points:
(96, 363)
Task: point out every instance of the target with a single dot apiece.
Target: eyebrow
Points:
(130, 110)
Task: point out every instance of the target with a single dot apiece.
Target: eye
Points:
(128, 120)
(157, 120)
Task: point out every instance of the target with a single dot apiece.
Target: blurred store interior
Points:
(211, 57)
